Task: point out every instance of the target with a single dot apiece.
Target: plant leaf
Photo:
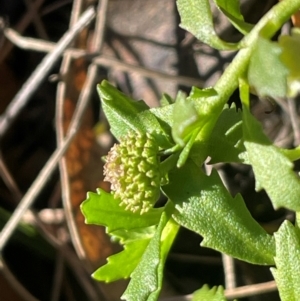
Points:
(204, 206)
(290, 57)
(267, 74)
(164, 116)
(216, 293)
(200, 118)
(292, 154)
(272, 169)
(225, 142)
(149, 270)
(131, 229)
(124, 236)
(208, 110)
(191, 113)
(196, 17)
(121, 265)
(166, 100)
(125, 114)
(287, 271)
(185, 118)
(102, 209)
(231, 9)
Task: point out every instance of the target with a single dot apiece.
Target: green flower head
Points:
(132, 168)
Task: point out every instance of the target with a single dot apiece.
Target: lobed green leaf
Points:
(103, 209)
(185, 118)
(122, 264)
(204, 206)
(287, 271)
(267, 74)
(146, 279)
(225, 143)
(208, 110)
(231, 10)
(196, 17)
(192, 129)
(125, 114)
(216, 293)
(290, 46)
(272, 169)
(164, 116)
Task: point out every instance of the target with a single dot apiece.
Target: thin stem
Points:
(39, 74)
(292, 110)
(169, 163)
(268, 25)
(49, 168)
(99, 59)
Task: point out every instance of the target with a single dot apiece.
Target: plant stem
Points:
(168, 164)
(268, 25)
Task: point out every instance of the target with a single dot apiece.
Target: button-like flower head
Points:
(132, 168)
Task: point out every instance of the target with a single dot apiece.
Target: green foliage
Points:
(128, 259)
(196, 17)
(125, 114)
(290, 46)
(287, 271)
(273, 170)
(103, 209)
(267, 74)
(232, 11)
(188, 130)
(204, 206)
(206, 294)
(227, 132)
(151, 265)
(186, 120)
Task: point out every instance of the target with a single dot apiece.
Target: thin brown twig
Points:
(40, 219)
(54, 6)
(59, 120)
(228, 261)
(251, 290)
(38, 44)
(20, 27)
(229, 271)
(16, 196)
(146, 72)
(100, 59)
(84, 96)
(9, 181)
(38, 75)
(43, 176)
(57, 277)
(294, 120)
(38, 24)
(24, 94)
(71, 258)
(37, 186)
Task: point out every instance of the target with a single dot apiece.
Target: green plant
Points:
(165, 148)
